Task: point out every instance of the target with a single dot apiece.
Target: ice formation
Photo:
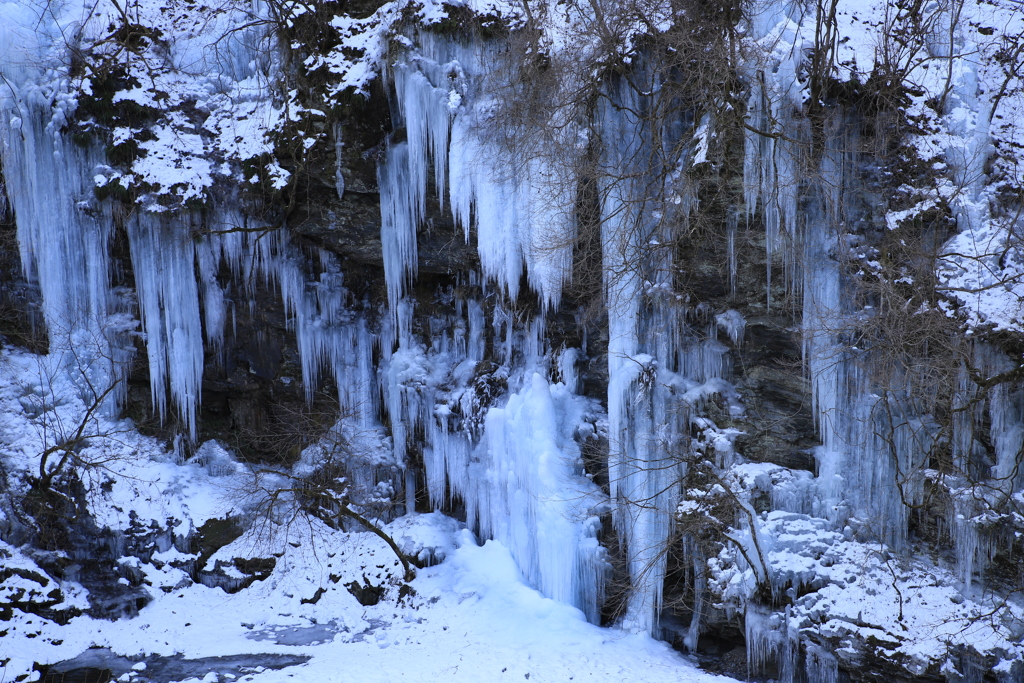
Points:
(547, 512)
(516, 470)
(478, 394)
(63, 233)
(519, 202)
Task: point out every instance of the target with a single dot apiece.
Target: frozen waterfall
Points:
(483, 398)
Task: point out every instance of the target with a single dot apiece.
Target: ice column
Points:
(515, 465)
(62, 231)
(528, 493)
(643, 474)
(339, 145)
(163, 257)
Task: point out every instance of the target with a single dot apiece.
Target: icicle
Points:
(425, 102)
(407, 371)
(771, 168)
(567, 370)
(476, 347)
(733, 324)
(339, 178)
(522, 217)
(977, 484)
(523, 210)
(402, 177)
(967, 541)
(762, 639)
(214, 304)
(178, 449)
(410, 491)
(64, 232)
(164, 260)
(822, 666)
(534, 348)
(401, 211)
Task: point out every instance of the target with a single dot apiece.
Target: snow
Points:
(471, 617)
(521, 600)
(174, 157)
(502, 627)
(128, 472)
(853, 591)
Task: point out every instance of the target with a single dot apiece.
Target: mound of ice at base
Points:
(430, 538)
(217, 460)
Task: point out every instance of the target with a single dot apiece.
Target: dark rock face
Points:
(778, 426)
(253, 570)
(366, 593)
(766, 366)
(21, 320)
(41, 598)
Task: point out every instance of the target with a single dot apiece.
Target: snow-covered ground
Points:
(472, 617)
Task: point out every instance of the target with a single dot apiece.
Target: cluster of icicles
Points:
(518, 467)
(519, 471)
(523, 214)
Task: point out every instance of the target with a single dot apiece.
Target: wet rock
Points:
(237, 574)
(30, 592)
(777, 426)
(366, 593)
